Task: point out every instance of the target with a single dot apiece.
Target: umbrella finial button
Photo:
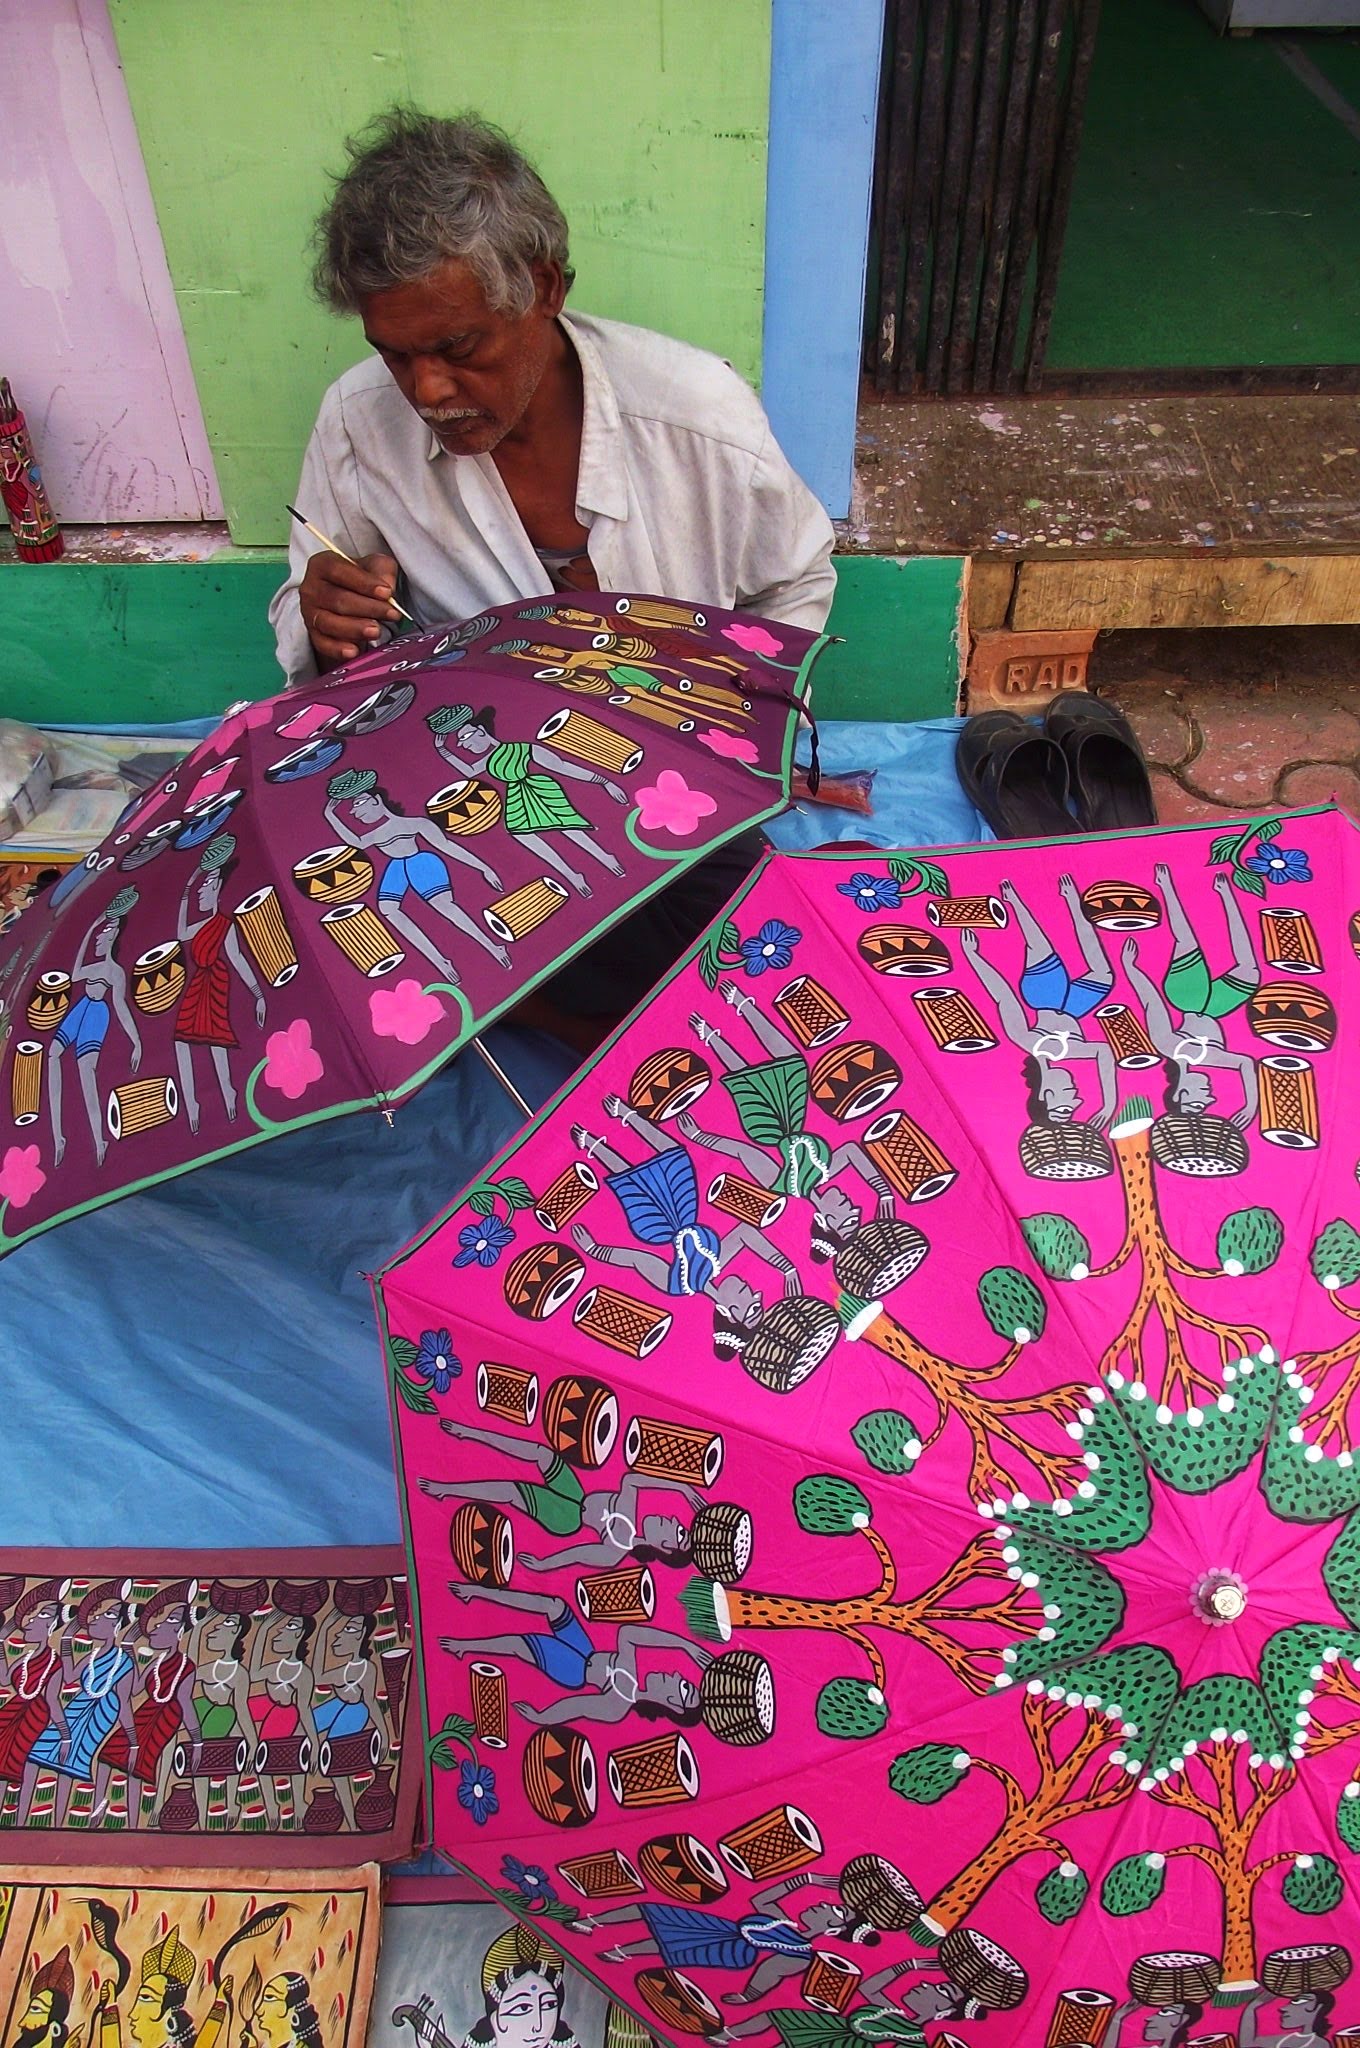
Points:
(1219, 1597)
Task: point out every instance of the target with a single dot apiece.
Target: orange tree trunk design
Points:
(1003, 1456)
(1336, 1264)
(976, 1588)
(1082, 1781)
(1160, 1304)
(1232, 1795)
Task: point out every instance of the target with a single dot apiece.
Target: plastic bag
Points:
(25, 776)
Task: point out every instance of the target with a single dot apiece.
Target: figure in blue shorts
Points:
(1060, 1002)
(600, 1685)
(676, 1253)
(416, 854)
(765, 1942)
(99, 992)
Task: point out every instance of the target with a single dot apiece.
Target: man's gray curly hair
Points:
(420, 190)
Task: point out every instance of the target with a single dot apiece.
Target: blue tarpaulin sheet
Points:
(198, 1365)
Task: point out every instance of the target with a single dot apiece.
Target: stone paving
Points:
(1240, 720)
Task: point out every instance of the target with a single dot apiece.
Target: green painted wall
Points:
(160, 640)
(649, 124)
(900, 618)
(1216, 210)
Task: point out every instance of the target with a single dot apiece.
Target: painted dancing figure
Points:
(771, 1100)
(557, 1501)
(81, 1721)
(213, 952)
(416, 854)
(599, 1685)
(675, 1253)
(102, 985)
(1198, 1047)
(1060, 1002)
(535, 803)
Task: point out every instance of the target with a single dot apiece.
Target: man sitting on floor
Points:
(498, 448)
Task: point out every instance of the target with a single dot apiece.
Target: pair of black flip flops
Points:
(1028, 779)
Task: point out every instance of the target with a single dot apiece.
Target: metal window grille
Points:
(979, 122)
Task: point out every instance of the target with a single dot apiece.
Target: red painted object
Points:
(37, 537)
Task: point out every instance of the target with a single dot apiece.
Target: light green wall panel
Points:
(648, 121)
(122, 641)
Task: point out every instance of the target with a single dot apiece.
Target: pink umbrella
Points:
(343, 885)
(878, 1459)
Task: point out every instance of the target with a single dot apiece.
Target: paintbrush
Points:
(331, 546)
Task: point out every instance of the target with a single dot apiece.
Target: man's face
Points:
(36, 2020)
(1194, 1091)
(469, 372)
(146, 2019)
(1165, 2025)
(527, 2012)
(930, 2002)
(1059, 1094)
(671, 1690)
(662, 1532)
(272, 2025)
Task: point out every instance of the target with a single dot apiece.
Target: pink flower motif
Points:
(670, 805)
(292, 1062)
(729, 746)
(755, 639)
(405, 1012)
(21, 1177)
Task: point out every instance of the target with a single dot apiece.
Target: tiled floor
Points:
(1240, 720)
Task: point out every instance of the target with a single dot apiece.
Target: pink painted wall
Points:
(90, 333)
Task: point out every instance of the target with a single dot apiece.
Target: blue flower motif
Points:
(1279, 864)
(435, 1362)
(477, 1791)
(530, 1880)
(772, 946)
(872, 892)
(483, 1241)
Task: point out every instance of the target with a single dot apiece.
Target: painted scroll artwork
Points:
(459, 1972)
(214, 1706)
(879, 1457)
(341, 886)
(152, 1959)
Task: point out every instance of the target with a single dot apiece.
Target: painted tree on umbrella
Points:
(916, 1366)
(341, 886)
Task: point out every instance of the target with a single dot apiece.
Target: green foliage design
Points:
(1012, 1305)
(700, 1600)
(1250, 1241)
(888, 1440)
(827, 1506)
(1061, 1895)
(1111, 1509)
(848, 1709)
(1133, 1884)
(918, 876)
(401, 1356)
(1057, 1246)
(929, 1773)
(1313, 1885)
(1336, 1256)
(1348, 1815)
(1203, 1447)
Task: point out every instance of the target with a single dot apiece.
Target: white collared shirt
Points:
(682, 485)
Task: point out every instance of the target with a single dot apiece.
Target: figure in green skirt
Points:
(771, 1101)
(535, 803)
